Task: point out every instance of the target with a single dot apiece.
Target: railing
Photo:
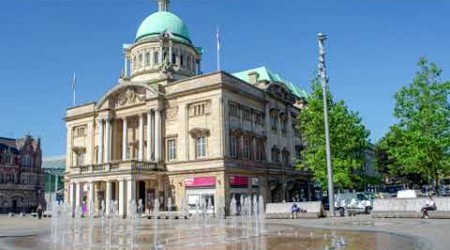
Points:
(129, 165)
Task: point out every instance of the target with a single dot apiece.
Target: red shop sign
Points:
(208, 181)
(241, 181)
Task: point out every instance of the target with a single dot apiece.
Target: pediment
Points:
(126, 94)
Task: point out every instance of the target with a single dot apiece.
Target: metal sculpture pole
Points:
(324, 80)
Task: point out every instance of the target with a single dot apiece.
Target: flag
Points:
(218, 38)
(218, 48)
(73, 85)
(74, 79)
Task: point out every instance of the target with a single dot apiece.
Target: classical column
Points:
(141, 137)
(108, 196)
(100, 141)
(107, 140)
(91, 195)
(157, 135)
(72, 199)
(122, 201)
(152, 128)
(254, 148)
(269, 134)
(125, 66)
(124, 138)
(131, 193)
(290, 138)
(149, 138)
(78, 194)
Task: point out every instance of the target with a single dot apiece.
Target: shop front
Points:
(200, 194)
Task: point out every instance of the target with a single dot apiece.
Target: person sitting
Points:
(430, 205)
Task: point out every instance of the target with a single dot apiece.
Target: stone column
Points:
(107, 140)
(122, 201)
(125, 66)
(108, 197)
(254, 148)
(290, 138)
(141, 137)
(72, 199)
(78, 194)
(91, 195)
(124, 138)
(157, 135)
(100, 141)
(149, 133)
(131, 193)
(269, 134)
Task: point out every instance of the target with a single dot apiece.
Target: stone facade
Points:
(166, 131)
(21, 175)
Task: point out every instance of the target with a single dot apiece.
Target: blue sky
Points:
(372, 50)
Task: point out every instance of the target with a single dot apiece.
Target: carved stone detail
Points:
(172, 113)
(129, 96)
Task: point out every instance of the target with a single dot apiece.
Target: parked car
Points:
(409, 193)
(353, 203)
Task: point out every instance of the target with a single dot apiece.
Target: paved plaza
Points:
(433, 233)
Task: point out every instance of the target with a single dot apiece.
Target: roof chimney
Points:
(253, 77)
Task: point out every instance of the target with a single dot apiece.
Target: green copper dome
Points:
(160, 21)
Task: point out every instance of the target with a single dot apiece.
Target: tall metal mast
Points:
(324, 80)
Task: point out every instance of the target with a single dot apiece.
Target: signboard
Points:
(239, 181)
(208, 181)
(255, 182)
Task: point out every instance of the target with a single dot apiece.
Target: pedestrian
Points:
(294, 210)
(430, 205)
(39, 211)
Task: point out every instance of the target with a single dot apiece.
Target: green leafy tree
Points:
(348, 140)
(420, 142)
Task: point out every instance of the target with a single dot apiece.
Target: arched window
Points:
(181, 60)
(134, 63)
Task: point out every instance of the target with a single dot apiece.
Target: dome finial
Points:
(163, 5)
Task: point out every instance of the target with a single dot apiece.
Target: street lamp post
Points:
(324, 80)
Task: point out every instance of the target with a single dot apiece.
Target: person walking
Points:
(39, 211)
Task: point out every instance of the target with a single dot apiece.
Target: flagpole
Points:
(218, 48)
(73, 89)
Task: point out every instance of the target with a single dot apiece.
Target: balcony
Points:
(118, 166)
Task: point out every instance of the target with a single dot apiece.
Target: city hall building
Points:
(166, 130)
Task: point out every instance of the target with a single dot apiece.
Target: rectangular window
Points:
(172, 149)
(80, 131)
(80, 159)
(258, 118)
(234, 110)
(147, 59)
(257, 151)
(246, 151)
(273, 121)
(247, 115)
(233, 149)
(201, 147)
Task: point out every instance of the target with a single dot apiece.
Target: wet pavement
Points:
(361, 232)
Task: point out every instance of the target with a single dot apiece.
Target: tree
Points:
(348, 140)
(422, 134)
